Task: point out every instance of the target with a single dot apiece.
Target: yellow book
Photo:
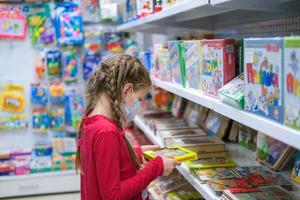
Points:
(210, 163)
(176, 152)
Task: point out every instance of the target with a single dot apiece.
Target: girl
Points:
(110, 167)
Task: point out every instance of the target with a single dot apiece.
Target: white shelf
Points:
(39, 183)
(264, 125)
(242, 157)
(147, 131)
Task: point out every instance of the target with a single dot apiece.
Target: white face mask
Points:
(130, 112)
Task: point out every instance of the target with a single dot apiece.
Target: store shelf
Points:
(147, 131)
(206, 14)
(242, 157)
(39, 183)
(269, 127)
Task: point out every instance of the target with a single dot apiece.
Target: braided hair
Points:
(110, 78)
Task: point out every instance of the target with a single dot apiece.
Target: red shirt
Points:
(108, 172)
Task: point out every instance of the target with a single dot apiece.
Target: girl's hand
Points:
(169, 165)
(150, 148)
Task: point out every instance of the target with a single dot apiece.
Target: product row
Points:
(56, 156)
(268, 87)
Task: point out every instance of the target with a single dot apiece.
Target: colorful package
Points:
(40, 24)
(192, 64)
(40, 120)
(13, 122)
(12, 98)
(74, 110)
(90, 63)
(12, 25)
(70, 65)
(233, 92)
(292, 82)
(68, 24)
(176, 62)
(264, 77)
(57, 93)
(53, 61)
(218, 64)
(57, 119)
(39, 94)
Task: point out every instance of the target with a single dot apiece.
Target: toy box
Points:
(163, 63)
(177, 62)
(263, 77)
(292, 82)
(192, 64)
(218, 64)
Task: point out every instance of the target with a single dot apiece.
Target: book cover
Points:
(210, 163)
(192, 63)
(296, 169)
(263, 62)
(216, 125)
(199, 144)
(180, 133)
(247, 137)
(292, 82)
(176, 152)
(218, 64)
(219, 185)
(271, 152)
(178, 106)
(216, 173)
(262, 176)
(182, 63)
(174, 61)
(163, 63)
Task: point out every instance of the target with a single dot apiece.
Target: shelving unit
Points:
(39, 183)
(240, 155)
(210, 15)
(266, 126)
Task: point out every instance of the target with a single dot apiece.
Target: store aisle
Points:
(69, 196)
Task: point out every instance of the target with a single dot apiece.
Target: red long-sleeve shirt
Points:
(108, 172)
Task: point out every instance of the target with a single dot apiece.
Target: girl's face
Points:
(129, 95)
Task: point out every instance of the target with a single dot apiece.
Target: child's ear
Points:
(128, 87)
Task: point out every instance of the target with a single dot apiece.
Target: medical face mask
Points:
(130, 112)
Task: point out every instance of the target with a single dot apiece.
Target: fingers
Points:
(176, 163)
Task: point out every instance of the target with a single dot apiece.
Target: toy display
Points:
(70, 65)
(13, 122)
(296, 169)
(39, 94)
(64, 145)
(292, 82)
(39, 21)
(40, 120)
(57, 93)
(233, 92)
(12, 25)
(176, 62)
(176, 152)
(192, 64)
(53, 61)
(90, 63)
(218, 64)
(272, 152)
(6, 168)
(68, 24)
(90, 11)
(12, 98)
(264, 77)
(56, 118)
(74, 109)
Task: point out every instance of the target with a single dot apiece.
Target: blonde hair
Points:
(110, 78)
